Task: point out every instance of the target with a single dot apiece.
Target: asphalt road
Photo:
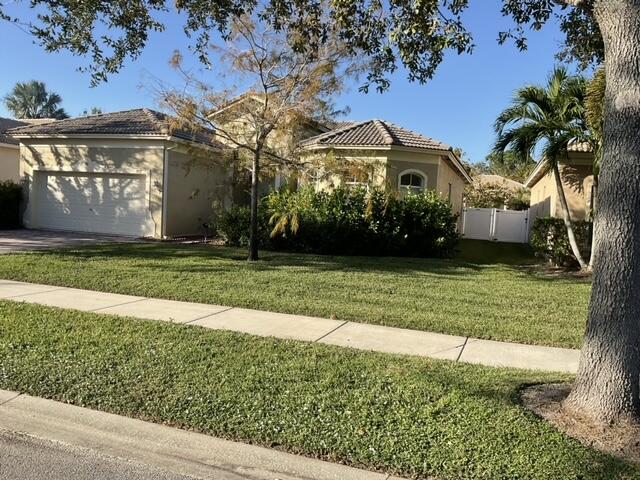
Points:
(27, 458)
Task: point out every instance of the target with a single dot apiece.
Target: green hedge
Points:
(347, 222)
(549, 239)
(10, 198)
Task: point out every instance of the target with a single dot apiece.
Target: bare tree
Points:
(288, 93)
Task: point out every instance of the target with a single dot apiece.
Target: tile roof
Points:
(489, 179)
(6, 124)
(141, 121)
(374, 133)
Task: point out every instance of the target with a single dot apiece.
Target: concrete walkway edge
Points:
(298, 327)
(171, 449)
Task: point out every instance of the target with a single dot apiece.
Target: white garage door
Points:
(92, 202)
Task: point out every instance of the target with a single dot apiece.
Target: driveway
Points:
(24, 240)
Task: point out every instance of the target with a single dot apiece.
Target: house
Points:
(400, 160)
(577, 181)
(139, 173)
(491, 179)
(9, 151)
(126, 173)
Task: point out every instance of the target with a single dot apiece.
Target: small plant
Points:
(549, 239)
(10, 199)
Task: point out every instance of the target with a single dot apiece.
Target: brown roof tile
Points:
(6, 124)
(374, 133)
(141, 121)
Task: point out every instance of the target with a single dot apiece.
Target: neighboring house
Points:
(9, 151)
(490, 179)
(577, 180)
(400, 160)
(123, 173)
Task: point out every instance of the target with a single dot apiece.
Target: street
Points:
(24, 457)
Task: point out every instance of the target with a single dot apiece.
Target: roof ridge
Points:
(154, 115)
(334, 132)
(389, 138)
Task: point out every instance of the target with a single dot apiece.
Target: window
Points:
(412, 181)
(357, 180)
(449, 194)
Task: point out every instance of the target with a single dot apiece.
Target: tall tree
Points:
(32, 100)
(418, 35)
(288, 91)
(550, 118)
(595, 121)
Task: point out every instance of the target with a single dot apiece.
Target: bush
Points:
(10, 199)
(348, 222)
(232, 226)
(549, 239)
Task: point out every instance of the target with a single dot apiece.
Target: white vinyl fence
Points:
(497, 225)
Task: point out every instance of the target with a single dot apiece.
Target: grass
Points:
(484, 292)
(401, 415)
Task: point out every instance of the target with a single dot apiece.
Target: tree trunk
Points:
(594, 209)
(253, 227)
(608, 381)
(566, 216)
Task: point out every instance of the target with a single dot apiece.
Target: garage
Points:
(92, 202)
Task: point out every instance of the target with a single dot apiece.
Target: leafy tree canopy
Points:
(414, 34)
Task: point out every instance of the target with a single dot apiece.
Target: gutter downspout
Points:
(165, 188)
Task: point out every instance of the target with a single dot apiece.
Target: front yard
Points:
(484, 292)
(403, 415)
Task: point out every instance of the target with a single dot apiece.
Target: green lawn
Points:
(401, 415)
(483, 292)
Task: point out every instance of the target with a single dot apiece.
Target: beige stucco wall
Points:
(577, 180)
(9, 162)
(391, 164)
(449, 176)
(143, 157)
(195, 181)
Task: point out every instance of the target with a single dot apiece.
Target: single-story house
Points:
(401, 160)
(9, 151)
(138, 173)
(125, 173)
(491, 179)
(577, 180)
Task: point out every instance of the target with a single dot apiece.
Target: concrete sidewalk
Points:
(311, 329)
(165, 448)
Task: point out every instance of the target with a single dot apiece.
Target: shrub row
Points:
(10, 198)
(347, 222)
(549, 239)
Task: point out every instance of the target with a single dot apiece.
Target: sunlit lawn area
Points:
(409, 416)
(483, 292)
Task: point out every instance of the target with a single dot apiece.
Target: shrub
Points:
(549, 239)
(10, 199)
(348, 222)
(232, 226)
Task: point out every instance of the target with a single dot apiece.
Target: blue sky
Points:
(457, 107)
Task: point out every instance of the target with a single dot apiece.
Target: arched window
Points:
(412, 181)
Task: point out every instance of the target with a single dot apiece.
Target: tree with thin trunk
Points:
(32, 100)
(417, 36)
(595, 121)
(549, 118)
(289, 92)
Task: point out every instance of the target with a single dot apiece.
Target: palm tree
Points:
(547, 119)
(31, 100)
(595, 120)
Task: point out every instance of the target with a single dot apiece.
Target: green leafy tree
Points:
(32, 100)
(418, 35)
(508, 164)
(495, 195)
(550, 118)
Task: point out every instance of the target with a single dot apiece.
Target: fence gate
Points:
(497, 225)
